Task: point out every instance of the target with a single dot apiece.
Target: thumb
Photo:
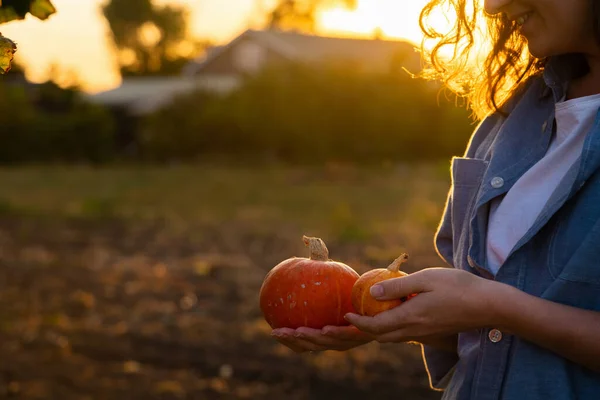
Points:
(397, 288)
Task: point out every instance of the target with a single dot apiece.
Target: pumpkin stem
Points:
(395, 266)
(317, 248)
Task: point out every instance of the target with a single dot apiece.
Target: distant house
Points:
(143, 95)
(223, 68)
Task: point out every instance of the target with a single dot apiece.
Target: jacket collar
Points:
(523, 140)
(560, 70)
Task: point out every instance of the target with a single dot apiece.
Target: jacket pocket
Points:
(468, 172)
(467, 176)
(574, 248)
(574, 257)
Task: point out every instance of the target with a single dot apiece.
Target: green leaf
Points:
(42, 9)
(7, 52)
(8, 14)
(17, 9)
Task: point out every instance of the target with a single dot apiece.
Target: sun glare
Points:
(393, 18)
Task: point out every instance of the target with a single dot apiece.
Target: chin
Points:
(539, 50)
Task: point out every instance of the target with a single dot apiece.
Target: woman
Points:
(518, 317)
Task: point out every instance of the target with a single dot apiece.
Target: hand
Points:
(449, 301)
(338, 338)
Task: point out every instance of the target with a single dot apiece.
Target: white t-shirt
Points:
(513, 214)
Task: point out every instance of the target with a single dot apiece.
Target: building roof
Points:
(377, 53)
(145, 93)
(133, 88)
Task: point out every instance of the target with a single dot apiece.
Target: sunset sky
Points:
(76, 37)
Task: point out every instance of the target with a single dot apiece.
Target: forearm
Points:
(568, 331)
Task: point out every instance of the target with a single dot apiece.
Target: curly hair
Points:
(503, 62)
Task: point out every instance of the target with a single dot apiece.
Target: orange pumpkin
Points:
(363, 302)
(313, 292)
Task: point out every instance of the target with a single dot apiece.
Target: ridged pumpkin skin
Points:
(367, 305)
(308, 292)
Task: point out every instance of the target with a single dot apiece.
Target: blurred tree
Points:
(17, 9)
(47, 123)
(300, 14)
(150, 39)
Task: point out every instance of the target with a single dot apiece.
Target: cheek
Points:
(577, 25)
(581, 40)
(550, 35)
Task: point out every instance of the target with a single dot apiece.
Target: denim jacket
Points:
(558, 259)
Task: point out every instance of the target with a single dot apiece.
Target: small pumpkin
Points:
(309, 292)
(363, 302)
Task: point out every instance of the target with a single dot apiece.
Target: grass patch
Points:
(348, 202)
(99, 207)
(7, 207)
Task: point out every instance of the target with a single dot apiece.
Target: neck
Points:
(589, 84)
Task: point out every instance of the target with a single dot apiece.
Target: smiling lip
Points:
(520, 19)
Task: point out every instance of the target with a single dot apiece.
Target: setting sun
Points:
(393, 18)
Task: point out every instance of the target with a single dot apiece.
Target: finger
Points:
(292, 339)
(387, 321)
(304, 331)
(398, 288)
(307, 339)
(347, 332)
(363, 323)
(328, 342)
(283, 332)
(285, 336)
(292, 344)
(350, 333)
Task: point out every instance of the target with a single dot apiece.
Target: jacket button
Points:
(495, 336)
(497, 182)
